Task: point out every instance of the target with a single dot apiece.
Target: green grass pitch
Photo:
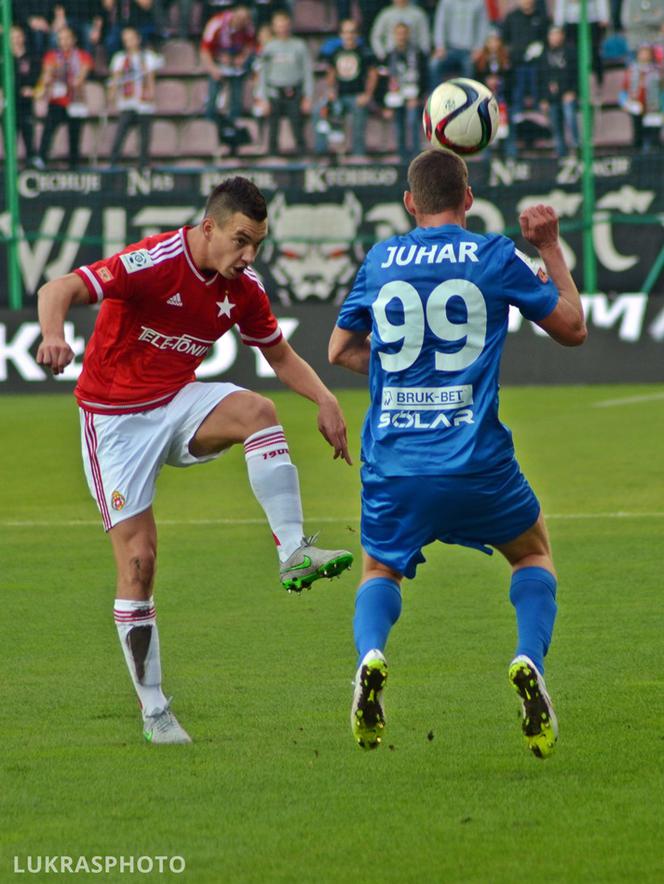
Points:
(273, 789)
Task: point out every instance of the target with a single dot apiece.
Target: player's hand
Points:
(56, 353)
(332, 425)
(539, 225)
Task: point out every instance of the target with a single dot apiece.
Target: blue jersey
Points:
(436, 301)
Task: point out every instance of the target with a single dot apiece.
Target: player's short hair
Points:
(236, 195)
(438, 180)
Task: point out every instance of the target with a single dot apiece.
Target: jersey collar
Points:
(194, 269)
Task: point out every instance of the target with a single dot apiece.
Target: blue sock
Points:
(533, 594)
(377, 609)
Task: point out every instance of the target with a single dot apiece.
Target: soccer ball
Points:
(461, 115)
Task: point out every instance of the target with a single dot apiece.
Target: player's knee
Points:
(260, 412)
(378, 570)
(535, 560)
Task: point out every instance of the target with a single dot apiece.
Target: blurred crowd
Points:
(379, 63)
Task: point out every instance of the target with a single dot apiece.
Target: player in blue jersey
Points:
(426, 320)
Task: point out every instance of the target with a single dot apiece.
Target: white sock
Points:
(274, 481)
(137, 628)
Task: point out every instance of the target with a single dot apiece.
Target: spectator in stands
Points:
(369, 11)
(264, 10)
(642, 21)
(44, 18)
(263, 36)
(26, 75)
(84, 17)
(64, 72)
(642, 97)
(400, 12)
(524, 35)
(95, 26)
(558, 77)
(138, 14)
(567, 15)
(492, 67)
(460, 28)
(184, 17)
(493, 11)
(227, 51)
(132, 90)
(407, 70)
(351, 79)
(285, 83)
(330, 45)
(37, 19)
(616, 14)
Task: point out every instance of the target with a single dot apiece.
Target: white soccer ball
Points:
(461, 115)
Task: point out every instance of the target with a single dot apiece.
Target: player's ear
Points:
(469, 198)
(208, 226)
(408, 203)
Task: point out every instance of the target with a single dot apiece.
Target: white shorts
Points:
(124, 453)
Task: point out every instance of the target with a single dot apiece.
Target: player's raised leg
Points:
(248, 418)
(377, 609)
(533, 594)
(134, 543)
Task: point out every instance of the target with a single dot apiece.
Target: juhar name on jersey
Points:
(454, 252)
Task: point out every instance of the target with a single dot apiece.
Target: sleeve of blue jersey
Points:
(355, 314)
(526, 286)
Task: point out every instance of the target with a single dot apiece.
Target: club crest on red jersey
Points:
(118, 500)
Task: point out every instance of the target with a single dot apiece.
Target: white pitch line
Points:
(617, 515)
(628, 400)
(86, 523)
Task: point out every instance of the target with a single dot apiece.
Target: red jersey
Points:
(66, 67)
(220, 35)
(159, 317)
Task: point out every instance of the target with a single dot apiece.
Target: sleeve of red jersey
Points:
(105, 279)
(258, 325)
(210, 34)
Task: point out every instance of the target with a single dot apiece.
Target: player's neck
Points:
(197, 248)
(441, 218)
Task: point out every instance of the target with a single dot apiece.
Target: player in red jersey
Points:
(164, 302)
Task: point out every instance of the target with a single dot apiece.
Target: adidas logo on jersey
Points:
(176, 300)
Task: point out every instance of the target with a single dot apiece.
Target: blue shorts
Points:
(401, 514)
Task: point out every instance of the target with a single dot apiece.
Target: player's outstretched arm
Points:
(351, 349)
(55, 299)
(297, 374)
(566, 324)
